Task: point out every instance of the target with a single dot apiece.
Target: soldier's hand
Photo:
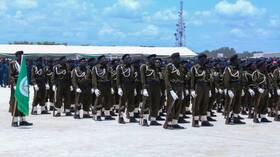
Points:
(112, 91)
(47, 86)
(193, 93)
(260, 90)
(71, 88)
(269, 95)
(92, 90)
(120, 92)
(278, 91)
(216, 90)
(230, 93)
(174, 95)
(36, 88)
(145, 93)
(252, 93)
(242, 93)
(221, 91)
(135, 92)
(78, 90)
(187, 92)
(54, 88)
(97, 92)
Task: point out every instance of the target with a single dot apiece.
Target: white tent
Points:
(94, 50)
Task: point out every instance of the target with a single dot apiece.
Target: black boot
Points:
(145, 122)
(45, 112)
(113, 114)
(244, 112)
(109, 118)
(34, 113)
(236, 120)
(181, 120)
(154, 123)
(159, 118)
(188, 113)
(87, 116)
(265, 120)
(25, 123)
(68, 114)
(133, 120)
(213, 114)
(206, 124)
(15, 124)
(58, 115)
(98, 118)
(177, 126)
(195, 123)
(52, 108)
(210, 119)
(121, 120)
(185, 116)
(239, 117)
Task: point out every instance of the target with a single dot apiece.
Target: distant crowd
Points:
(4, 72)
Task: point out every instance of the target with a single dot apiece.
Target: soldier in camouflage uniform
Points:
(276, 84)
(38, 79)
(200, 91)
(115, 95)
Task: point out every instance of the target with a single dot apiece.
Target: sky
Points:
(246, 25)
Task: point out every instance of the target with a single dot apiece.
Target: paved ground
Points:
(66, 137)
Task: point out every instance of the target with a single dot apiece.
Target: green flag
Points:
(22, 89)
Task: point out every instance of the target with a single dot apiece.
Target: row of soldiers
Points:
(148, 90)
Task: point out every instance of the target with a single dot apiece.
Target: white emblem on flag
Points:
(24, 87)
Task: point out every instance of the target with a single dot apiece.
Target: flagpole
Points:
(14, 110)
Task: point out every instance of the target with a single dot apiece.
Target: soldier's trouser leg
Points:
(104, 98)
(203, 106)
(59, 93)
(236, 100)
(154, 99)
(67, 98)
(176, 105)
(13, 106)
(42, 95)
(263, 105)
(86, 99)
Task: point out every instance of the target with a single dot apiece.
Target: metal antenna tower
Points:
(180, 34)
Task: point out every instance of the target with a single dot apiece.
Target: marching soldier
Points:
(126, 88)
(150, 78)
(160, 69)
(115, 95)
(101, 86)
(233, 91)
(200, 91)
(276, 84)
(39, 82)
(48, 70)
(138, 87)
(62, 86)
(262, 93)
(174, 81)
(14, 68)
(81, 80)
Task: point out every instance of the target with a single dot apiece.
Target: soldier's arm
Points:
(118, 76)
(74, 79)
(167, 78)
(193, 79)
(94, 78)
(143, 76)
(226, 78)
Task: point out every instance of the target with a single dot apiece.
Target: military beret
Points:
(19, 53)
(202, 55)
(125, 55)
(100, 57)
(175, 55)
(152, 56)
(234, 57)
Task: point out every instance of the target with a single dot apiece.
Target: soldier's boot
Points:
(68, 112)
(236, 120)
(108, 115)
(52, 107)
(195, 121)
(210, 119)
(159, 118)
(175, 124)
(264, 119)
(86, 115)
(250, 114)
(145, 120)
(15, 122)
(188, 111)
(44, 110)
(58, 114)
(154, 122)
(136, 113)
(72, 108)
(181, 120)
(24, 122)
(213, 114)
(121, 120)
(34, 110)
(112, 113)
(206, 124)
